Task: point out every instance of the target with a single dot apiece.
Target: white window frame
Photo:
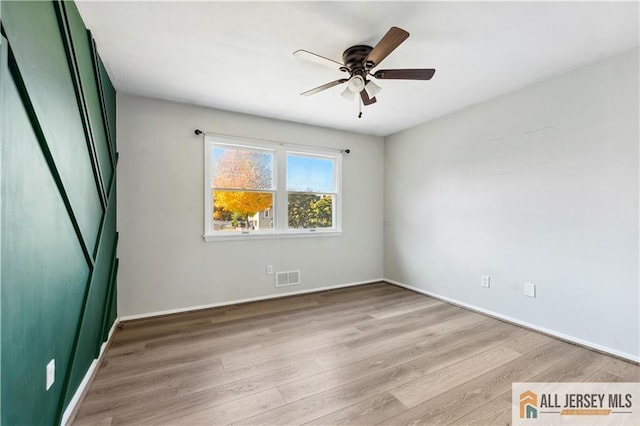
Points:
(280, 210)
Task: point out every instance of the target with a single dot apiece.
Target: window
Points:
(242, 186)
(311, 190)
(255, 188)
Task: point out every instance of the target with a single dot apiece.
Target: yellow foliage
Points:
(246, 203)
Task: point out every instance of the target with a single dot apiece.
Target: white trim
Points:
(581, 342)
(232, 236)
(249, 299)
(208, 213)
(245, 139)
(88, 377)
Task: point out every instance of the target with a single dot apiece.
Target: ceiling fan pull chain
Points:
(359, 107)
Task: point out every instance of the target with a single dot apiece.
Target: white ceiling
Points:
(237, 56)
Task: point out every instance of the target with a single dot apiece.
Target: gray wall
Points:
(540, 186)
(164, 262)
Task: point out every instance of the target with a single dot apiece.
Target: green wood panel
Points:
(57, 157)
(34, 34)
(112, 313)
(90, 337)
(109, 103)
(43, 272)
(83, 48)
(4, 76)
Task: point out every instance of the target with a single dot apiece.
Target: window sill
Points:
(271, 236)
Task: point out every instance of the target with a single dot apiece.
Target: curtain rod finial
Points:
(198, 132)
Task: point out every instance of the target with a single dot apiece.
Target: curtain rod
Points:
(199, 132)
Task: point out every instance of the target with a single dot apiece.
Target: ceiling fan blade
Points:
(312, 57)
(366, 99)
(392, 39)
(323, 87)
(407, 74)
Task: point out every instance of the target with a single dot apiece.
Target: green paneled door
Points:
(58, 208)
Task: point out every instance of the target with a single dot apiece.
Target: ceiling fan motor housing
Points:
(353, 59)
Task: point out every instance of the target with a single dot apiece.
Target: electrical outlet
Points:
(529, 290)
(269, 269)
(51, 373)
(485, 281)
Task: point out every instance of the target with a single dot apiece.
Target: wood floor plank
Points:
(191, 399)
(93, 421)
(445, 407)
(182, 352)
(113, 403)
(528, 342)
(401, 309)
(194, 393)
(244, 315)
(430, 385)
(579, 365)
(242, 357)
(437, 349)
(631, 372)
(431, 332)
(268, 379)
(492, 413)
(371, 354)
(224, 413)
(138, 383)
(339, 397)
(378, 331)
(367, 412)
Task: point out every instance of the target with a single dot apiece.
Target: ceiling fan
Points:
(359, 61)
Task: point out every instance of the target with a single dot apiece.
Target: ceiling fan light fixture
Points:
(372, 89)
(347, 94)
(356, 84)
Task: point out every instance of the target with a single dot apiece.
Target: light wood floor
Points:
(373, 354)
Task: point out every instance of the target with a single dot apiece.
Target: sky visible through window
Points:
(309, 174)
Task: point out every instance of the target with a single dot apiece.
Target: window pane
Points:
(310, 210)
(242, 210)
(238, 168)
(309, 174)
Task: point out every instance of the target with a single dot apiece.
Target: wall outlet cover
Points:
(529, 290)
(485, 281)
(51, 373)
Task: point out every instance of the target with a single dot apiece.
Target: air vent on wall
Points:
(287, 278)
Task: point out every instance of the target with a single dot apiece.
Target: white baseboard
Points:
(562, 336)
(77, 397)
(249, 299)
